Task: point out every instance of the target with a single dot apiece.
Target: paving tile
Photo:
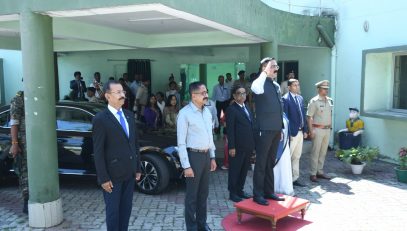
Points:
(371, 201)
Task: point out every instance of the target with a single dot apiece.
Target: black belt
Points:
(198, 150)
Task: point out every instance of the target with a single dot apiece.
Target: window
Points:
(400, 82)
(384, 80)
(73, 119)
(5, 119)
(285, 68)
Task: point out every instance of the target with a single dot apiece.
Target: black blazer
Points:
(75, 89)
(240, 130)
(292, 111)
(117, 156)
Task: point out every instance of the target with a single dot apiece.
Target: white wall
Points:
(386, 29)
(91, 61)
(13, 73)
(314, 65)
(87, 62)
(165, 63)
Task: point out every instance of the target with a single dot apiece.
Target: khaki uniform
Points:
(320, 109)
(18, 118)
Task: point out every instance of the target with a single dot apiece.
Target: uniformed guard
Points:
(319, 115)
(18, 144)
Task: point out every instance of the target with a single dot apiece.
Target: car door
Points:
(5, 162)
(4, 128)
(75, 148)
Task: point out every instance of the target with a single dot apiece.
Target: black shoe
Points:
(323, 176)
(274, 197)
(260, 201)
(299, 184)
(245, 195)
(206, 228)
(235, 198)
(25, 206)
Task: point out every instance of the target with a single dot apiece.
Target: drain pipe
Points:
(333, 94)
(331, 45)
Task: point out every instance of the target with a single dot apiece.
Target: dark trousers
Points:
(238, 167)
(197, 189)
(221, 106)
(118, 205)
(266, 150)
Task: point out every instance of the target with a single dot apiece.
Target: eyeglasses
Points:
(275, 66)
(241, 93)
(204, 93)
(118, 92)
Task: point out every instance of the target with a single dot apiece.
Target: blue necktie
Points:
(299, 108)
(122, 122)
(247, 113)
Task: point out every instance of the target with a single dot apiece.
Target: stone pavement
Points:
(371, 201)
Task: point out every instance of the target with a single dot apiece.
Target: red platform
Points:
(274, 211)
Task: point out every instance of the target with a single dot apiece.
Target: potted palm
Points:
(401, 170)
(357, 157)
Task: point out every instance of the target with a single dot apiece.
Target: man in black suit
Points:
(269, 117)
(78, 87)
(240, 143)
(294, 109)
(117, 158)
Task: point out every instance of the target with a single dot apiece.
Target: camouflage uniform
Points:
(18, 118)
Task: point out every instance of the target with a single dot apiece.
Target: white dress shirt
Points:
(161, 106)
(114, 112)
(258, 84)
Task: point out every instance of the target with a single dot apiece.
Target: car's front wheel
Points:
(154, 174)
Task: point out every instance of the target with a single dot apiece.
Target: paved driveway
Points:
(372, 201)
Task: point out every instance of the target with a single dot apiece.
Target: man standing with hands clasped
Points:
(298, 129)
(240, 134)
(117, 157)
(269, 116)
(197, 154)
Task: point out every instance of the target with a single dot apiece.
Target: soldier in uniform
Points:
(18, 144)
(319, 115)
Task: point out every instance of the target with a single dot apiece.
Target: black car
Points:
(159, 157)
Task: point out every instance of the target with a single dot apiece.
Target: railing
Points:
(305, 7)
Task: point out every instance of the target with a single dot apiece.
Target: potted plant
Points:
(357, 157)
(401, 170)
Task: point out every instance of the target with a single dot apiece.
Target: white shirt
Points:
(97, 91)
(212, 108)
(229, 84)
(161, 106)
(194, 130)
(220, 93)
(114, 112)
(258, 84)
(133, 87)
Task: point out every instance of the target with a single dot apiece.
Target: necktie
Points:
(299, 108)
(247, 113)
(122, 122)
